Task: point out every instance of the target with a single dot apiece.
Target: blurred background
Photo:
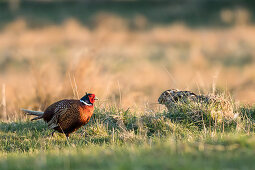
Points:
(126, 52)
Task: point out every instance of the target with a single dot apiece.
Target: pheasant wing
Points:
(61, 109)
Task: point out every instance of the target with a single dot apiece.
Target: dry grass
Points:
(123, 67)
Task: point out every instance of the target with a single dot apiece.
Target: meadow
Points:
(128, 63)
(119, 139)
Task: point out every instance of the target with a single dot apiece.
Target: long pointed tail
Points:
(38, 114)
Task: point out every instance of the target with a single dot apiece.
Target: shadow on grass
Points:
(248, 112)
(21, 127)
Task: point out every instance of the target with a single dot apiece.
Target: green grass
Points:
(158, 156)
(118, 139)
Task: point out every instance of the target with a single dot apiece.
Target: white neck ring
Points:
(87, 104)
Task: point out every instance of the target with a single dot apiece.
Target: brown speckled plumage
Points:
(66, 116)
(173, 97)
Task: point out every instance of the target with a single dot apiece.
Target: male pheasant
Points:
(66, 116)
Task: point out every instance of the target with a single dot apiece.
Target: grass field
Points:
(51, 51)
(118, 139)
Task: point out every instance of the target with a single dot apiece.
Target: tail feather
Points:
(36, 118)
(38, 114)
(31, 112)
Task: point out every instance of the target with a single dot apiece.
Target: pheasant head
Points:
(89, 99)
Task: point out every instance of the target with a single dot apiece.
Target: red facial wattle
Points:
(92, 98)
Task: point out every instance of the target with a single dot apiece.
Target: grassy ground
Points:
(119, 139)
(128, 59)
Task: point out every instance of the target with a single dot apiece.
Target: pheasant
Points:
(66, 116)
(173, 97)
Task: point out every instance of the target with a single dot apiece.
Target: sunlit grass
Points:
(118, 139)
(128, 70)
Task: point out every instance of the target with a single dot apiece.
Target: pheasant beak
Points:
(96, 98)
